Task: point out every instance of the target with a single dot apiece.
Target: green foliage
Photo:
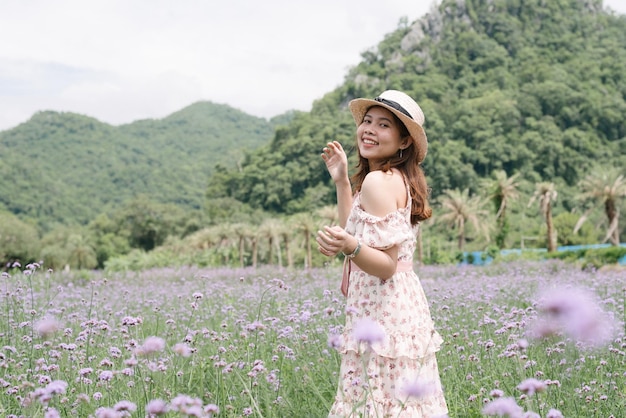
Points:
(533, 89)
(591, 257)
(508, 87)
(18, 240)
(69, 247)
(565, 222)
(68, 168)
(493, 252)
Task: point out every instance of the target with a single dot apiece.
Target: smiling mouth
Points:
(369, 141)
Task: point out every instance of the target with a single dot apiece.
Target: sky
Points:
(124, 60)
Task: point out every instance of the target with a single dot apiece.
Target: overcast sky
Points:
(124, 60)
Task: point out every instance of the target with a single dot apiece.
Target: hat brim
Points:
(359, 108)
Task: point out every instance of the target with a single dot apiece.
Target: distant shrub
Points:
(591, 257)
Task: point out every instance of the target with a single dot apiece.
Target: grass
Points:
(254, 342)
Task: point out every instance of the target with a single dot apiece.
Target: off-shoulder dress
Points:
(397, 376)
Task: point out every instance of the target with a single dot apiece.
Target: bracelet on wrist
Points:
(356, 250)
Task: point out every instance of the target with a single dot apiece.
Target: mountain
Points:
(532, 87)
(67, 168)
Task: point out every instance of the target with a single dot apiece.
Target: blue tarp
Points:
(479, 258)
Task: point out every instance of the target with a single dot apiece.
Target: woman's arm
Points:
(380, 194)
(337, 165)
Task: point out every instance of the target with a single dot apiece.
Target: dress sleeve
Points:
(383, 233)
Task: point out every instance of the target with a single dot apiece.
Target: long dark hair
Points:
(411, 171)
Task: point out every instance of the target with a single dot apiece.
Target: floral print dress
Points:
(396, 376)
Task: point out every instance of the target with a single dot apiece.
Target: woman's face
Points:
(378, 136)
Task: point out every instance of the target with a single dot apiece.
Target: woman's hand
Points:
(336, 161)
(333, 240)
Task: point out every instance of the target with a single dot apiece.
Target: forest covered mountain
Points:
(533, 87)
(529, 94)
(69, 168)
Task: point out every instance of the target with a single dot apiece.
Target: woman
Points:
(388, 366)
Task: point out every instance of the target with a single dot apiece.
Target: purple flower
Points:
(151, 345)
(504, 407)
(212, 409)
(575, 312)
(554, 413)
(47, 327)
(415, 388)
(531, 386)
(369, 331)
(56, 387)
(52, 413)
(126, 406)
(105, 375)
(182, 350)
(156, 407)
(193, 411)
(107, 413)
(335, 341)
(184, 402)
(496, 393)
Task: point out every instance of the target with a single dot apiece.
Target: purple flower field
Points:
(541, 339)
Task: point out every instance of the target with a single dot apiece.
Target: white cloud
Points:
(119, 60)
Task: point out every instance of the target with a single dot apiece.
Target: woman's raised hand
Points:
(336, 161)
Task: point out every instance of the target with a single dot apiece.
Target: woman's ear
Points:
(406, 142)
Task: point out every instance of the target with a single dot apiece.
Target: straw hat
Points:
(404, 107)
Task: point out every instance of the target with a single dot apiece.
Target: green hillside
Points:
(68, 168)
(524, 102)
(530, 87)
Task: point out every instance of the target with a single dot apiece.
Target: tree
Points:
(460, 209)
(605, 187)
(18, 240)
(269, 230)
(224, 233)
(82, 254)
(285, 231)
(69, 247)
(545, 194)
(501, 191)
(241, 231)
(254, 241)
(329, 214)
(304, 223)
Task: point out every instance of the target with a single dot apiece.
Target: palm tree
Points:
(224, 233)
(285, 232)
(459, 209)
(501, 191)
(269, 230)
(545, 194)
(81, 252)
(203, 239)
(305, 223)
(604, 187)
(254, 242)
(241, 231)
(329, 214)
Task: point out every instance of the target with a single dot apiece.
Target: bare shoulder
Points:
(378, 179)
(382, 192)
